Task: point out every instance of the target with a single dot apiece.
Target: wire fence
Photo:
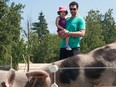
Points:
(88, 68)
(5, 67)
(54, 69)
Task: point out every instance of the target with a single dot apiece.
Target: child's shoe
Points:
(67, 47)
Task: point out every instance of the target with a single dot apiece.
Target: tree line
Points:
(42, 46)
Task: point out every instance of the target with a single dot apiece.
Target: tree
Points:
(10, 31)
(100, 30)
(37, 35)
(108, 26)
(44, 46)
(93, 37)
(40, 27)
(4, 39)
(48, 50)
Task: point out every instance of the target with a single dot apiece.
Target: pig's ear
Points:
(37, 74)
(10, 78)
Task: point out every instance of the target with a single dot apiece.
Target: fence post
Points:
(10, 61)
(28, 59)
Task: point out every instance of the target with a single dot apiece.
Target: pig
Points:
(6, 78)
(93, 69)
(96, 68)
(14, 78)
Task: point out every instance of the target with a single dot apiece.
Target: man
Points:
(75, 29)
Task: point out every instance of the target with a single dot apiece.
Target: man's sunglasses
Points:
(72, 8)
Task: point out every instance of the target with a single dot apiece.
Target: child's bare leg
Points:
(67, 45)
(67, 40)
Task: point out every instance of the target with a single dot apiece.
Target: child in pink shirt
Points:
(61, 23)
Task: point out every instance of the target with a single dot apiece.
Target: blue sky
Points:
(50, 8)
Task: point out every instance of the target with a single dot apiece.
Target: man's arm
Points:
(80, 33)
(66, 33)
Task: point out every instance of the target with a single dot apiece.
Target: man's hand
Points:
(64, 33)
